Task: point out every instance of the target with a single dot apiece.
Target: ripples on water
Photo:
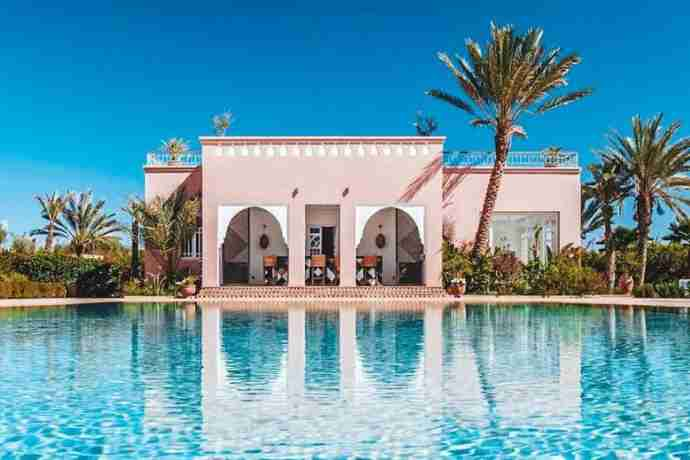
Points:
(138, 381)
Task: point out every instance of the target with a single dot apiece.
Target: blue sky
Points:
(88, 89)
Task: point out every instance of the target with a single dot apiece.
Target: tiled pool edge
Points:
(469, 299)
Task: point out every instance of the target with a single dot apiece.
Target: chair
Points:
(370, 265)
(318, 269)
(270, 264)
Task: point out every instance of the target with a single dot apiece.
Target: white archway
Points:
(226, 214)
(364, 213)
(399, 258)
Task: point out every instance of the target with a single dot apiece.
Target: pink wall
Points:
(375, 171)
(522, 190)
(255, 171)
(163, 180)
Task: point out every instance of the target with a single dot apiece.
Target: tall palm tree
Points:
(52, 206)
(3, 236)
(85, 225)
(679, 232)
(604, 195)
(515, 75)
(168, 223)
(135, 208)
(657, 167)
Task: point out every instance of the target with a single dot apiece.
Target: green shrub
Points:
(24, 289)
(670, 290)
(90, 277)
(13, 277)
(646, 290)
(507, 271)
(48, 267)
(101, 281)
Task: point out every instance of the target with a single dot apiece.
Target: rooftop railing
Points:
(543, 159)
(165, 159)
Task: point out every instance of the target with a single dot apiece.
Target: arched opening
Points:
(254, 249)
(390, 249)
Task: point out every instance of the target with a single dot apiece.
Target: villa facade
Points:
(354, 211)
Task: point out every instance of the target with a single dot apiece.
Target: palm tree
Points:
(679, 232)
(135, 208)
(3, 236)
(222, 122)
(175, 147)
(85, 225)
(425, 125)
(516, 75)
(52, 206)
(604, 195)
(657, 167)
(168, 224)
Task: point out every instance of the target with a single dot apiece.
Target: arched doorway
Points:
(253, 248)
(390, 246)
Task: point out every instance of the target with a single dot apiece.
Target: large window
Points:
(192, 247)
(526, 234)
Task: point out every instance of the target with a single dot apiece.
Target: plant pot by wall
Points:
(188, 291)
(456, 290)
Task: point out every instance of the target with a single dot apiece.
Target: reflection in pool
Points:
(219, 381)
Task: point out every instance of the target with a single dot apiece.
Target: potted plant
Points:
(222, 122)
(187, 287)
(175, 148)
(456, 264)
(552, 157)
(457, 286)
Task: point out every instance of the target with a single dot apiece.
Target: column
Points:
(433, 348)
(210, 350)
(347, 245)
(348, 346)
(433, 240)
(296, 351)
(296, 245)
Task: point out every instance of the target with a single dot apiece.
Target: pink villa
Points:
(353, 211)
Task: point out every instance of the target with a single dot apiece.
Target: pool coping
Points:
(468, 299)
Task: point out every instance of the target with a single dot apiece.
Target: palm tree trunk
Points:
(502, 142)
(644, 216)
(610, 255)
(135, 249)
(49, 238)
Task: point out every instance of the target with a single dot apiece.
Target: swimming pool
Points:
(159, 380)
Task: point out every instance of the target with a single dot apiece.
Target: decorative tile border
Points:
(318, 150)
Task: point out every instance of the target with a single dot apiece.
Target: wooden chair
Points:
(318, 269)
(270, 264)
(369, 262)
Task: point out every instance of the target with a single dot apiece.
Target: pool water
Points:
(364, 381)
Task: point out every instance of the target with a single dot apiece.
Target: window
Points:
(528, 235)
(192, 248)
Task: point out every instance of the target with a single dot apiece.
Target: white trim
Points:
(311, 149)
(364, 213)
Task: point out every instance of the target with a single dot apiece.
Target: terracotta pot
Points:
(188, 291)
(456, 290)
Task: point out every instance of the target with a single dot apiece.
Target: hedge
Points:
(82, 277)
(31, 290)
